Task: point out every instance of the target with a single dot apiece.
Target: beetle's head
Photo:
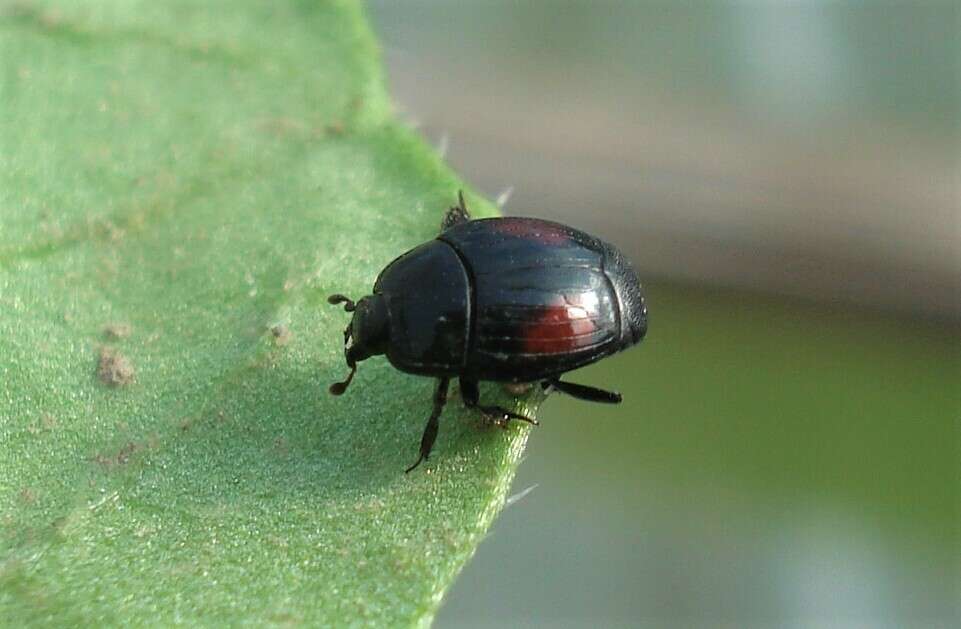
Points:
(366, 334)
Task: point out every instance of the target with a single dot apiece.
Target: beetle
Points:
(511, 299)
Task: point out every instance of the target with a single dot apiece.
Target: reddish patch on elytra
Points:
(538, 231)
(559, 329)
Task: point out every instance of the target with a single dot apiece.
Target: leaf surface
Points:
(181, 186)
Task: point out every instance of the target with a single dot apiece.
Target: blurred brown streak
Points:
(703, 194)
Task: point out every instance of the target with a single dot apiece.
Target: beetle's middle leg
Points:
(430, 431)
(470, 393)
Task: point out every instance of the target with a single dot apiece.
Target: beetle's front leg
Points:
(470, 392)
(430, 431)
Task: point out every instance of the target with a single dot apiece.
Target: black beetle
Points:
(500, 299)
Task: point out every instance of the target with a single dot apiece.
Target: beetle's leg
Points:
(430, 431)
(457, 214)
(584, 392)
(470, 393)
(338, 388)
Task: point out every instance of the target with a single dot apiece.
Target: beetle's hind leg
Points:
(430, 430)
(457, 214)
(470, 393)
(584, 392)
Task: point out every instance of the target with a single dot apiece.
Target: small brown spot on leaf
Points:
(121, 457)
(281, 334)
(113, 368)
(28, 496)
(46, 423)
(117, 331)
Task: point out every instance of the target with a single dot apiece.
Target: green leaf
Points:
(182, 184)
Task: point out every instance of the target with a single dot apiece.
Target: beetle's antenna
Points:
(463, 205)
(338, 388)
(349, 304)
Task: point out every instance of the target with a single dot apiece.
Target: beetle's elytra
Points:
(499, 299)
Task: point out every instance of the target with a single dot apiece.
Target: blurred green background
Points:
(786, 176)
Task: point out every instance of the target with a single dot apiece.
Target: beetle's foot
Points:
(412, 467)
(500, 416)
